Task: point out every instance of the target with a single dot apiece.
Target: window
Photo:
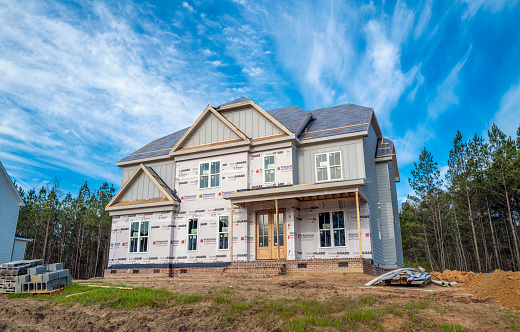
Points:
(332, 233)
(139, 236)
(192, 233)
(223, 232)
(269, 169)
(328, 166)
(209, 174)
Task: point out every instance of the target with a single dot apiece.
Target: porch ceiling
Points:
(301, 192)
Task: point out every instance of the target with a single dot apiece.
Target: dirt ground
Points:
(453, 306)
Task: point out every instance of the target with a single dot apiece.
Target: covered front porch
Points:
(301, 222)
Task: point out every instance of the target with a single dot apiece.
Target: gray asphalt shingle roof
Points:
(385, 147)
(328, 121)
(343, 119)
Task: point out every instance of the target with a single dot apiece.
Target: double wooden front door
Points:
(268, 236)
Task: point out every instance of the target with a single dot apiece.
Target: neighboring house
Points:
(12, 245)
(329, 174)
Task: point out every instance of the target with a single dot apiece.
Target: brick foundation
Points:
(258, 269)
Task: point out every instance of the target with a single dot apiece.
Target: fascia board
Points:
(272, 140)
(304, 124)
(198, 122)
(139, 161)
(296, 189)
(178, 153)
(259, 109)
(280, 196)
(159, 185)
(205, 153)
(126, 185)
(356, 134)
(271, 119)
(11, 185)
(163, 205)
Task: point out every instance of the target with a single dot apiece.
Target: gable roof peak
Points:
(236, 101)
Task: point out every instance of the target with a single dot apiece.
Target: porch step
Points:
(256, 269)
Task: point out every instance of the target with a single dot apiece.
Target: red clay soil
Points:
(499, 286)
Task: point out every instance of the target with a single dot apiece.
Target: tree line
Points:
(72, 230)
(469, 219)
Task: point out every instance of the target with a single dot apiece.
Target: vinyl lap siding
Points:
(386, 213)
(369, 147)
(397, 223)
(8, 219)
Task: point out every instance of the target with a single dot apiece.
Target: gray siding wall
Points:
(8, 218)
(251, 123)
(142, 188)
(386, 213)
(212, 130)
(165, 170)
(397, 222)
(351, 154)
(19, 250)
(369, 148)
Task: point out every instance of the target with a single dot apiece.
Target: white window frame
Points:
(209, 174)
(331, 229)
(274, 169)
(219, 232)
(188, 237)
(328, 166)
(139, 237)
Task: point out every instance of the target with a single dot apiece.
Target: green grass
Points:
(112, 297)
(511, 319)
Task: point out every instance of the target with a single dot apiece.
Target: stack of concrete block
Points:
(31, 276)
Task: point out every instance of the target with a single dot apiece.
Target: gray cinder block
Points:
(54, 267)
(36, 269)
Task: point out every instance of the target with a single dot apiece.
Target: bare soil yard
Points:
(325, 302)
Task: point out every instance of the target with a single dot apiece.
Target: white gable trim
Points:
(199, 121)
(261, 111)
(4, 174)
(138, 171)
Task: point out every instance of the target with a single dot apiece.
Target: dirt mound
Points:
(503, 287)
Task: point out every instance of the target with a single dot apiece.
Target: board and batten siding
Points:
(386, 213)
(143, 187)
(351, 160)
(9, 208)
(211, 130)
(250, 122)
(369, 148)
(397, 222)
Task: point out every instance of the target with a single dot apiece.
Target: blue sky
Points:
(82, 84)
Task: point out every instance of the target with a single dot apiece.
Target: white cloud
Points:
(446, 95)
(187, 6)
(508, 116)
(473, 6)
(74, 92)
(424, 19)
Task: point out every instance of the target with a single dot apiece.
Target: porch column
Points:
(277, 228)
(231, 240)
(358, 225)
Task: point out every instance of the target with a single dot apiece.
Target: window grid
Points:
(269, 169)
(223, 232)
(332, 234)
(193, 231)
(328, 166)
(209, 175)
(139, 236)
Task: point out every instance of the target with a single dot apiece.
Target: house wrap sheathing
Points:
(198, 196)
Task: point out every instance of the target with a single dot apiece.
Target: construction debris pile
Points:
(408, 276)
(32, 276)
